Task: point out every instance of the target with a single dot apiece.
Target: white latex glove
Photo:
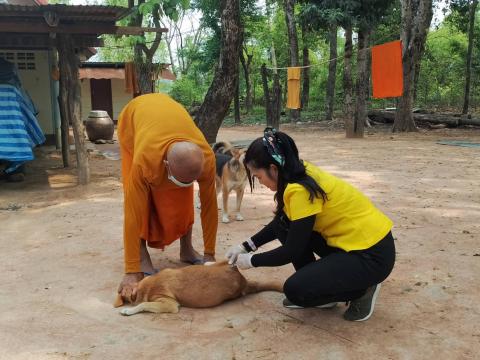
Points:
(244, 261)
(233, 252)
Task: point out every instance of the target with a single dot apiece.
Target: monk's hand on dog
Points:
(128, 286)
(233, 253)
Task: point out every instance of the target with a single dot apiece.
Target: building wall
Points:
(119, 97)
(86, 101)
(34, 73)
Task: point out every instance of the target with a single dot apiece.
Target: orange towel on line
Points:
(155, 209)
(387, 71)
(293, 88)
(131, 83)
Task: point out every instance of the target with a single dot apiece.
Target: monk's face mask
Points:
(172, 178)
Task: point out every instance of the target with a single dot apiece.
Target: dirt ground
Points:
(61, 261)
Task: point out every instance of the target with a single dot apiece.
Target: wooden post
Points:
(64, 126)
(70, 97)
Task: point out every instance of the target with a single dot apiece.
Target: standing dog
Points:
(195, 286)
(231, 175)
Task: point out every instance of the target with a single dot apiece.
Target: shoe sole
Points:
(326, 306)
(374, 300)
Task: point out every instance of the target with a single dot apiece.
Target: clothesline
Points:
(316, 64)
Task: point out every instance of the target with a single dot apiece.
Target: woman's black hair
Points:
(279, 149)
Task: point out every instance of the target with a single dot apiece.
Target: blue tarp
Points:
(19, 129)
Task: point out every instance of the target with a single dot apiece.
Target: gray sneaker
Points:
(362, 308)
(289, 305)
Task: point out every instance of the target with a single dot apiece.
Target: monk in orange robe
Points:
(163, 153)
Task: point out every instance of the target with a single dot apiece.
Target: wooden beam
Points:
(85, 28)
(43, 41)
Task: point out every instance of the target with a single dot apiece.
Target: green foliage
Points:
(441, 78)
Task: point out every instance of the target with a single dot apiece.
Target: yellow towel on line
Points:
(293, 88)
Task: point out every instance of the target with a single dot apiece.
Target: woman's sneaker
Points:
(362, 308)
(289, 305)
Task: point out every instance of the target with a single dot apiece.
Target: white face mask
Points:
(172, 178)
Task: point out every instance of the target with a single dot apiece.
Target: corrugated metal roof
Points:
(67, 12)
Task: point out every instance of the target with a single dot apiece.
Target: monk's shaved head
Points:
(185, 160)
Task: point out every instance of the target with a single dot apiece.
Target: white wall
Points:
(86, 101)
(120, 98)
(35, 75)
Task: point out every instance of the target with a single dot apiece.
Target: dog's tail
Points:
(258, 286)
(223, 147)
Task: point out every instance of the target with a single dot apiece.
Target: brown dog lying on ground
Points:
(195, 286)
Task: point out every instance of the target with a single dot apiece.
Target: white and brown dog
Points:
(195, 286)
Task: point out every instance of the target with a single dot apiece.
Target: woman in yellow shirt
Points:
(317, 214)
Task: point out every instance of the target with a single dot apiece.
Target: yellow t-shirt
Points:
(347, 220)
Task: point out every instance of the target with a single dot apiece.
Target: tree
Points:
(347, 74)
(416, 18)
(293, 41)
(332, 71)
(460, 10)
(306, 66)
(219, 96)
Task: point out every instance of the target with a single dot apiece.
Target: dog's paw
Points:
(209, 263)
(239, 217)
(225, 219)
(126, 311)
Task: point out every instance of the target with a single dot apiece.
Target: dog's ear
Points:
(118, 301)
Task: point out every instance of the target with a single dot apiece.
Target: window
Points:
(23, 60)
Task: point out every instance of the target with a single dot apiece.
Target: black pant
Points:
(338, 275)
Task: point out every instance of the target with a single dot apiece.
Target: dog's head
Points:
(236, 162)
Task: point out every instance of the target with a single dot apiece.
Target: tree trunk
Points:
(219, 96)
(70, 90)
(468, 70)
(266, 95)
(356, 129)
(332, 73)
(347, 77)
(246, 65)
(143, 56)
(293, 49)
(236, 102)
(416, 18)
(306, 69)
(277, 101)
(64, 123)
(273, 104)
(388, 117)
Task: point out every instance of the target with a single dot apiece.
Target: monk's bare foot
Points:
(191, 256)
(208, 258)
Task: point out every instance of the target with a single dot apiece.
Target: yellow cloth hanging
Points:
(293, 88)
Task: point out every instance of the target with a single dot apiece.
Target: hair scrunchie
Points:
(271, 143)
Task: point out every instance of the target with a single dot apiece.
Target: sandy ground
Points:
(61, 261)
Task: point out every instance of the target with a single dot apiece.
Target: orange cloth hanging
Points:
(387, 71)
(131, 83)
(293, 88)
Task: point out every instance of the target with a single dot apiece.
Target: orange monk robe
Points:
(156, 209)
(387, 71)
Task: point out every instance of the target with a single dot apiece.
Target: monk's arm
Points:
(135, 210)
(209, 211)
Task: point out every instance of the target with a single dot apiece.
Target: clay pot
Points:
(99, 126)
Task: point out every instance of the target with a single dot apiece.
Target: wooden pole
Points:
(70, 95)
